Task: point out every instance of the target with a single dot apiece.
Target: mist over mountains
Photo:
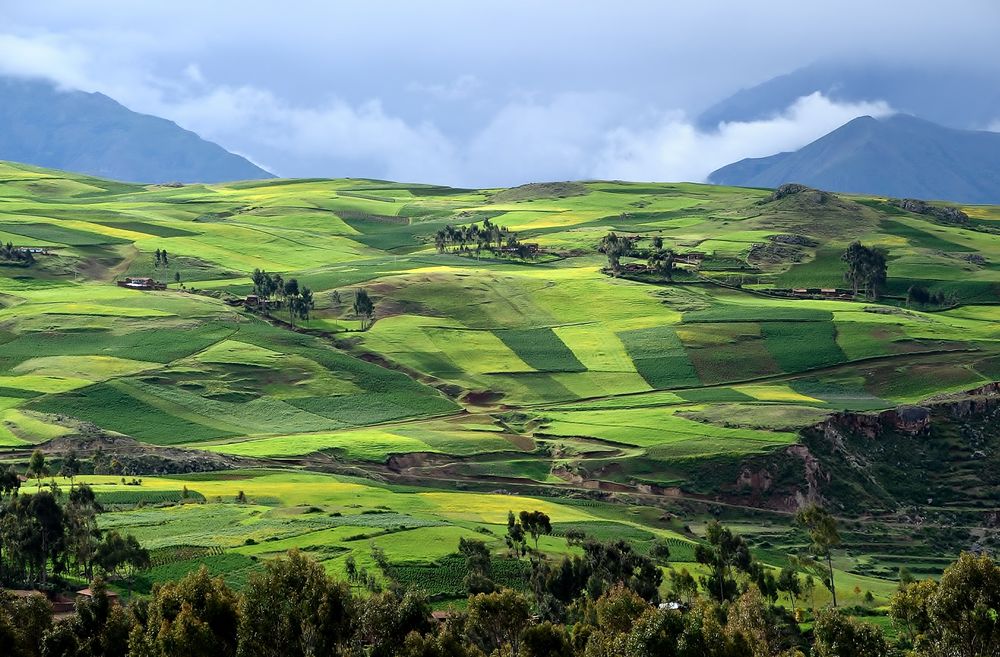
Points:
(94, 134)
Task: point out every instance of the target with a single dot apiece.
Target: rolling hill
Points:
(495, 379)
(900, 156)
(93, 134)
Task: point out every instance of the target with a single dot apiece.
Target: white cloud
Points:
(45, 56)
(674, 149)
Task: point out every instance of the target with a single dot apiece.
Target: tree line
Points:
(473, 238)
(292, 608)
(49, 534)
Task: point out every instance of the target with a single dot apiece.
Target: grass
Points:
(541, 348)
(477, 376)
(659, 357)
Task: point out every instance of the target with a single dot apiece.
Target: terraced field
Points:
(482, 375)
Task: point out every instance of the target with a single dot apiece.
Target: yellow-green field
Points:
(485, 381)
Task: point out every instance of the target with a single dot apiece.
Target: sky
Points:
(481, 93)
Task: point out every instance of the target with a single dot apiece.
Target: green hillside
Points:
(484, 372)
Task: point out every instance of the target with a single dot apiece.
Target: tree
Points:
(837, 635)
(195, 617)
(364, 308)
(304, 303)
(909, 609)
(70, 467)
(515, 537)
(723, 551)
(866, 267)
(99, 628)
(789, 582)
(82, 532)
(660, 551)
(752, 626)
(293, 609)
(854, 256)
(963, 611)
(48, 529)
(387, 618)
(683, 584)
(498, 619)
(23, 624)
(121, 556)
(536, 523)
(614, 247)
(478, 565)
(822, 529)
(37, 467)
(10, 483)
(662, 263)
(546, 640)
(290, 293)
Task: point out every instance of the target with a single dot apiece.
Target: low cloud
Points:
(529, 137)
(674, 149)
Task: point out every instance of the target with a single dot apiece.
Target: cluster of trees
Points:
(919, 295)
(475, 239)
(867, 269)
(162, 261)
(659, 260)
(364, 308)
(291, 608)
(48, 532)
(15, 255)
(298, 299)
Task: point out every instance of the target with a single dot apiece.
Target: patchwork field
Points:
(486, 382)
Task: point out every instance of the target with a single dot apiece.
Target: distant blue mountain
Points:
(900, 156)
(953, 98)
(91, 133)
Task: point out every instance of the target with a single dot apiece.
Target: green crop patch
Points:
(751, 313)
(923, 239)
(109, 407)
(156, 230)
(154, 345)
(235, 569)
(541, 348)
(59, 234)
(713, 395)
(800, 346)
(373, 408)
(659, 357)
(445, 578)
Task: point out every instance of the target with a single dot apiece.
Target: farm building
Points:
(87, 594)
(141, 283)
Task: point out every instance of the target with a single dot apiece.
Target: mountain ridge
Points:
(900, 155)
(94, 134)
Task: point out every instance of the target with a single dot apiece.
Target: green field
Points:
(485, 384)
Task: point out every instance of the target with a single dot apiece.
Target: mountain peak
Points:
(898, 155)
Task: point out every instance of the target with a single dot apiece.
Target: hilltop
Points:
(503, 367)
